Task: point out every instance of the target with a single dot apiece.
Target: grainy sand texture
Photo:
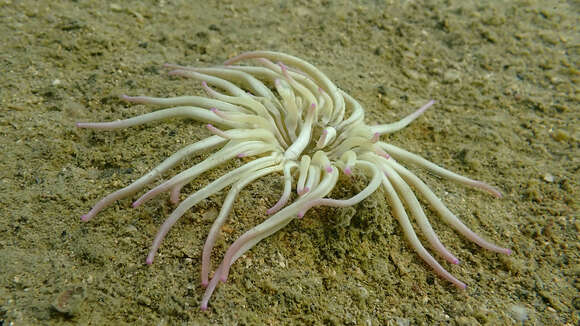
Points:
(505, 75)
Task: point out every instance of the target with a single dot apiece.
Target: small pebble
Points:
(519, 313)
(560, 135)
(548, 177)
(115, 7)
(451, 76)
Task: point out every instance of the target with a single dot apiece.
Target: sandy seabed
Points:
(505, 75)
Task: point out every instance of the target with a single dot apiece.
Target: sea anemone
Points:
(290, 119)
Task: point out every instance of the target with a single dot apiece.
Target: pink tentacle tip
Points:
(302, 191)
(171, 66)
(204, 284)
(348, 171)
(203, 307)
(455, 261)
(241, 155)
(491, 190)
(329, 169)
(283, 66)
(136, 204)
(218, 113)
(149, 260)
(301, 214)
(496, 193)
(382, 153)
(133, 99)
(270, 211)
(85, 217)
(375, 137)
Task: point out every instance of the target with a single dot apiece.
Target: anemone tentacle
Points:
(286, 117)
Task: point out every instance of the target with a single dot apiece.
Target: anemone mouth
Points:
(289, 119)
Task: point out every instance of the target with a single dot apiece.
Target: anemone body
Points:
(291, 120)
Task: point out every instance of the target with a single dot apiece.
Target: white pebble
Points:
(519, 313)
